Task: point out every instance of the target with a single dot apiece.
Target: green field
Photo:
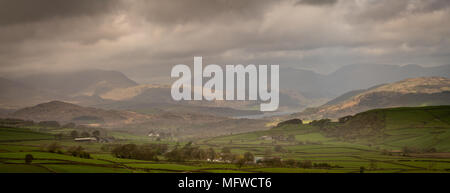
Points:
(401, 140)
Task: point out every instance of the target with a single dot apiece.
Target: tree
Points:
(132, 151)
(291, 138)
(278, 148)
(290, 122)
(249, 157)
(320, 123)
(268, 152)
(306, 164)
(74, 134)
(53, 147)
(361, 169)
(373, 165)
(240, 162)
(28, 158)
(226, 150)
(58, 136)
(96, 133)
(291, 163)
(75, 151)
(85, 134)
(211, 154)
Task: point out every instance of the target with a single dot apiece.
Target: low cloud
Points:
(144, 38)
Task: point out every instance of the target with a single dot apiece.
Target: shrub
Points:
(28, 158)
(53, 147)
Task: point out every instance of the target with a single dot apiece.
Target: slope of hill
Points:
(87, 82)
(179, 123)
(14, 94)
(413, 129)
(66, 112)
(409, 92)
(299, 88)
(352, 77)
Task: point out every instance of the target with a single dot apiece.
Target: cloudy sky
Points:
(145, 38)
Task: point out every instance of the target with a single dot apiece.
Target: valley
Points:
(391, 140)
(110, 123)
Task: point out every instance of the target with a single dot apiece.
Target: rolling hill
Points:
(421, 129)
(66, 112)
(86, 82)
(410, 92)
(352, 77)
(16, 94)
(181, 124)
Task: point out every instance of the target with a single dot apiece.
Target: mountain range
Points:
(182, 124)
(300, 89)
(352, 77)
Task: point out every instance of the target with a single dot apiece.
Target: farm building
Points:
(86, 139)
(265, 137)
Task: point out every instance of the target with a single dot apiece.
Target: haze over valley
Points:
(85, 86)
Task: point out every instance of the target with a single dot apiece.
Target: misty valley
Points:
(107, 123)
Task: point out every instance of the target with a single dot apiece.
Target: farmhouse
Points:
(265, 137)
(85, 139)
(151, 134)
(395, 152)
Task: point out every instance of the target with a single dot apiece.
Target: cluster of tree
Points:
(247, 158)
(75, 134)
(279, 149)
(189, 152)
(320, 123)
(278, 162)
(28, 158)
(11, 122)
(54, 148)
(139, 152)
(406, 150)
(290, 122)
(78, 151)
(309, 142)
(350, 128)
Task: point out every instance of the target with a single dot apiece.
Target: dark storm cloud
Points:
(182, 11)
(23, 11)
(145, 36)
(385, 10)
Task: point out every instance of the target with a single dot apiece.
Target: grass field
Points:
(420, 128)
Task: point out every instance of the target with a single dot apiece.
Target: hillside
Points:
(81, 87)
(409, 92)
(421, 129)
(16, 94)
(352, 77)
(394, 140)
(86, 82)
(66, 112)
(178, 123)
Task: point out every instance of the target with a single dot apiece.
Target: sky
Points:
(145, 38)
